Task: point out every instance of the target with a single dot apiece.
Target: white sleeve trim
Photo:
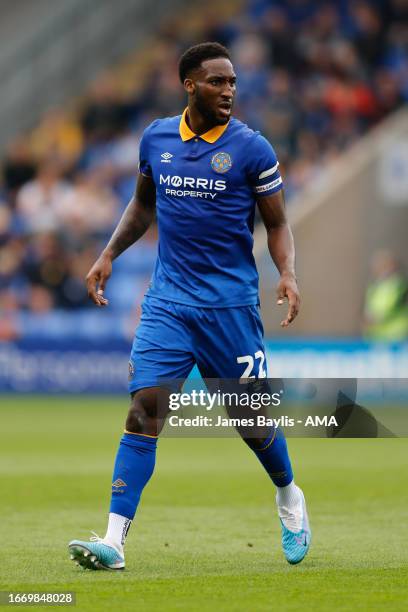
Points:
(269, 172)
(268, 186)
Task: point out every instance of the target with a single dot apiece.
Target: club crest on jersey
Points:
(221, 162)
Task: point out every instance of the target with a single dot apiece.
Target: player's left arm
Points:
(282, 249)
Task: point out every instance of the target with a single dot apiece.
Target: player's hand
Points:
(97, 278)
(287, 288)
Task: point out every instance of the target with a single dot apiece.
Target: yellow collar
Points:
(210, 136)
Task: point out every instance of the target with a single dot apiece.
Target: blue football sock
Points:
(134, 466)
(273, 454)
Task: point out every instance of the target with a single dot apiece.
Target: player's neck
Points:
(197, 123)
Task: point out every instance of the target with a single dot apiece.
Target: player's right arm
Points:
(266, 181)
(134, 222)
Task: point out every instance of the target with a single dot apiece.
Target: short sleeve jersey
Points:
(206, 189)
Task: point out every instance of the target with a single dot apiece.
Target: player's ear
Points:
(189, 86)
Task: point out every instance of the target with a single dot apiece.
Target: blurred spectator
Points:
(386, 302)
(250, 59)
(12, 254)
(388, 92)
(280, 111)
(18, 166)
(90, 207)
(6, 219)
(40, 200)
(368, 35)
(45, 263)
(9, 306)
(396, 56)
(277, 34)
(40, 299)
(104, 114)
(59, 136)
(73, 293)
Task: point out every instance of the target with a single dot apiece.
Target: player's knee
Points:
(142, 412)
(255, 443)
(262, 439)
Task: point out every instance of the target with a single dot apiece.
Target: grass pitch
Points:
(206, 535)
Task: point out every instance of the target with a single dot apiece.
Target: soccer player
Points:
(203, 173)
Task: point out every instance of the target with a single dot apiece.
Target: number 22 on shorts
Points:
(250, 362)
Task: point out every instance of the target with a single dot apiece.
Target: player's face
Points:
(212, 89)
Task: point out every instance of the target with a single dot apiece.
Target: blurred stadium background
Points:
(326, 82)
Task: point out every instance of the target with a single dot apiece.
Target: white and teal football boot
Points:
(295, 544)
(96, 554)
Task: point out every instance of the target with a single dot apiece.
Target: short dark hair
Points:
(195, 56)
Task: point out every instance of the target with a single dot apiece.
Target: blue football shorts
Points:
(172, 338)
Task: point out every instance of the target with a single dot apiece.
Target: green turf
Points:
(206, 535)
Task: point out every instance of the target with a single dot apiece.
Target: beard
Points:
(210, 115)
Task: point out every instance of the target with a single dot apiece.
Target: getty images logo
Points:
(166, 158)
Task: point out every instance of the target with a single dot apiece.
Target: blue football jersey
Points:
(205, 197)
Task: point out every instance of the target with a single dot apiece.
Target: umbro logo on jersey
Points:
(166, 158)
